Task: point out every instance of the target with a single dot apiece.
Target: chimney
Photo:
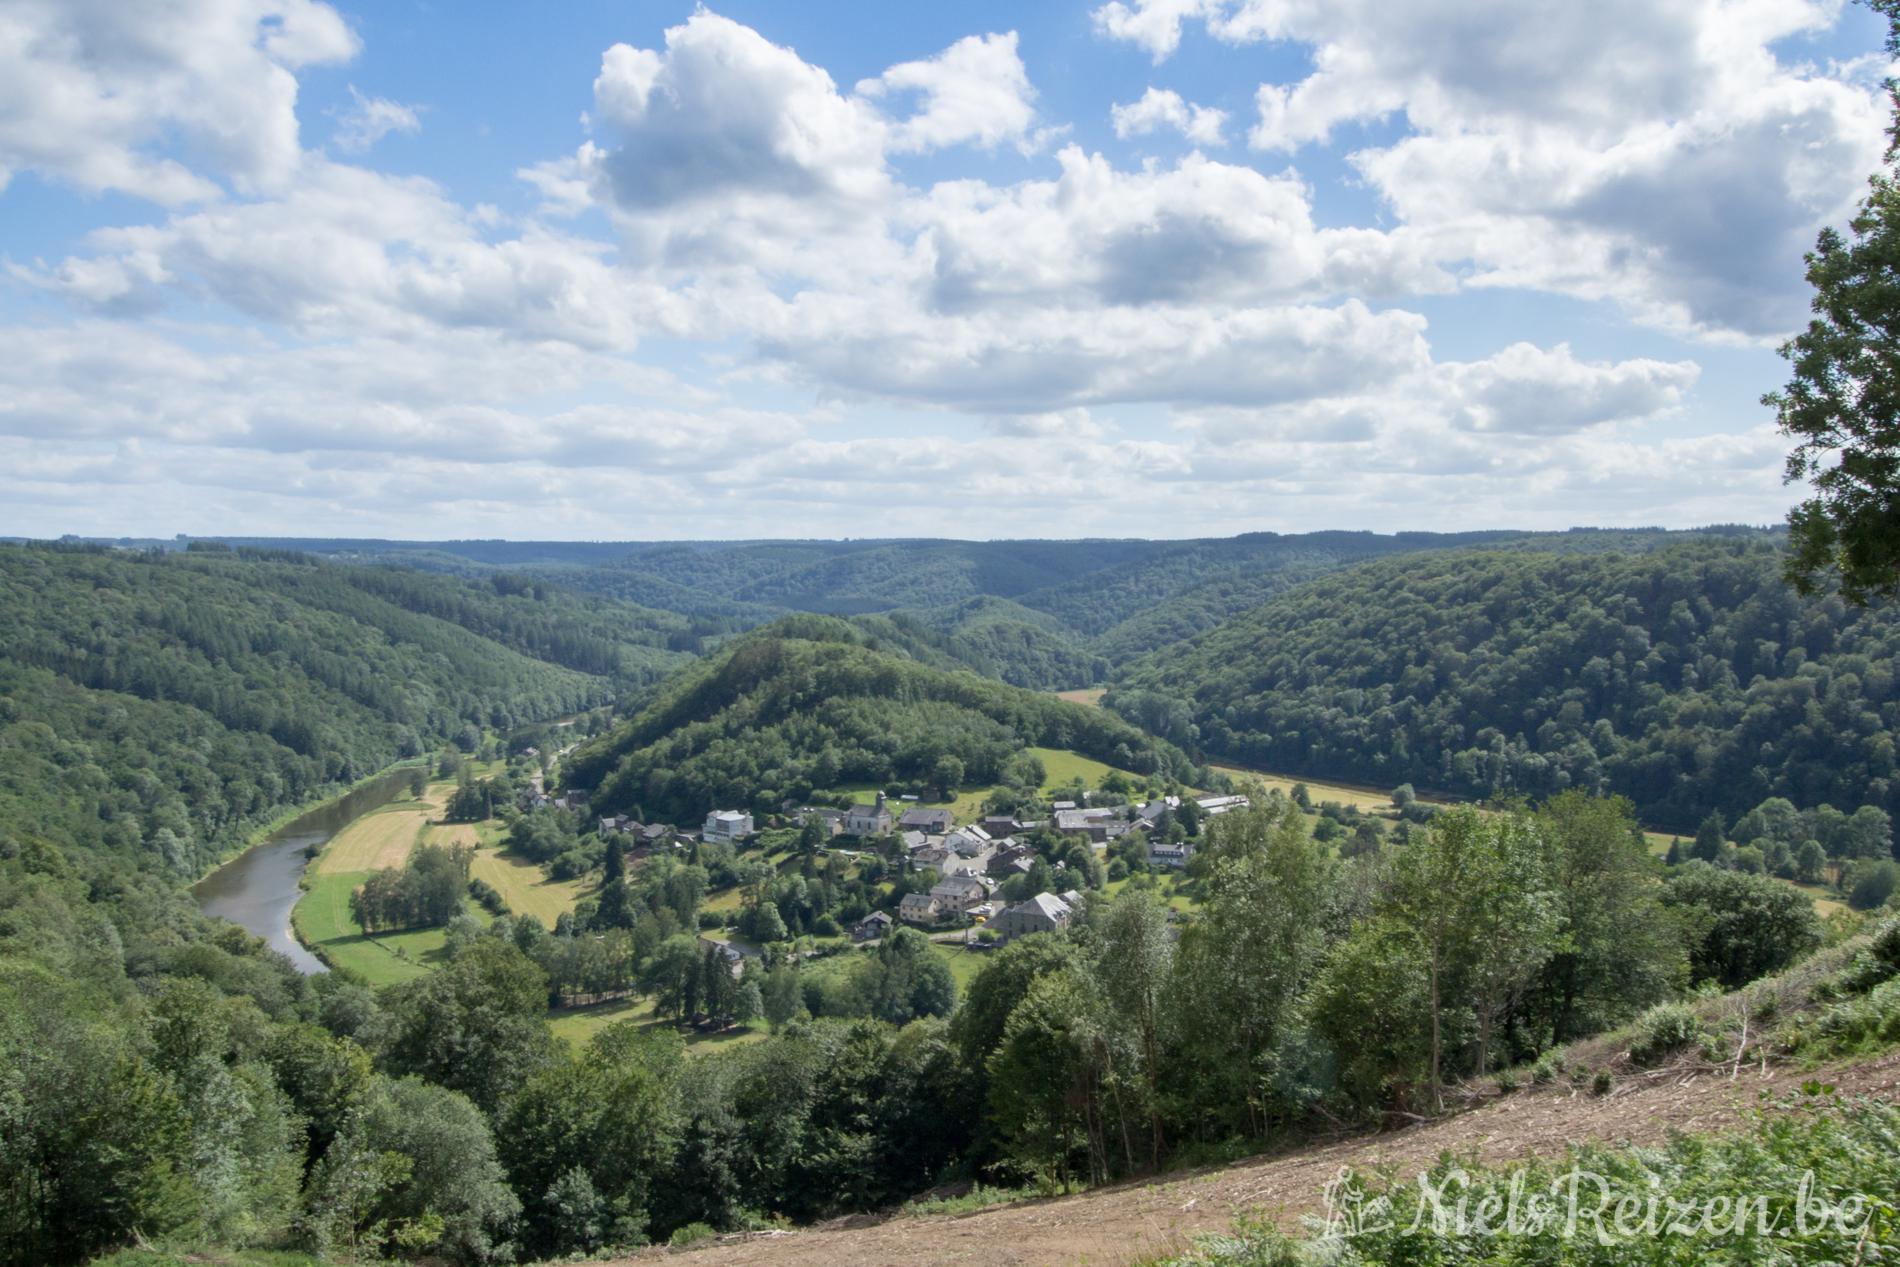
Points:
(880, 800)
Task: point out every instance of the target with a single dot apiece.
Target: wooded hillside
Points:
(805, 704)
(1688, 678)
(153, 707)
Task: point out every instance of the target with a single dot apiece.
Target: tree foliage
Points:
(1841, 404)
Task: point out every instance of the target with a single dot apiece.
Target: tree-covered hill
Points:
(154, 707)
(998, 638)
(1688, 677)
(806, 704)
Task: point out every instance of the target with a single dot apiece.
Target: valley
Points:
(878, 884)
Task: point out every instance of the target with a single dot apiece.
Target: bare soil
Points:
(1115, 1226)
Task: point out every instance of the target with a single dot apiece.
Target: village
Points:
(970, 864)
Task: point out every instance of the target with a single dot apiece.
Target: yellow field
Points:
(523, 885)
(381, 838)
(1089, 695)
(450, 834)
(1363, 798)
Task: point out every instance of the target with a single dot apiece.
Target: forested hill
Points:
(155, 707)
(1688, 678)
(806, 704)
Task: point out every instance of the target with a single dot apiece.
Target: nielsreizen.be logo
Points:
(1580, 1203)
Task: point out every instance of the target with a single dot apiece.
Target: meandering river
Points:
(257, 889)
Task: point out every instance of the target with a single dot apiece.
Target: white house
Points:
(960, 893)
(1163, 854)
(727, 825)
(922, 908)
(1043, 913)
(968, 841)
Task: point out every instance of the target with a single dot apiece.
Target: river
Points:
(257, 889)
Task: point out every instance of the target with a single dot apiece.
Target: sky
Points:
(636, 269)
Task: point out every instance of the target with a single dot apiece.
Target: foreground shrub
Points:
(1663, 1031)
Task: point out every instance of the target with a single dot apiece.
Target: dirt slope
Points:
(1115, 1226)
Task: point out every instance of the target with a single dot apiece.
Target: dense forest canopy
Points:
(805, 705)
(1689, 678)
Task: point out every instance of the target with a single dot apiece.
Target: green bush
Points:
(691, 1234)
(1663, 1031)
(1548, 1066)
(1603, 1083)
(1868, 1022)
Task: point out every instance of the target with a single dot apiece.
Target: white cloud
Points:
(93, 91)
(1153, 24)
(725, 112)
(1463, 412)
(370, 119)
(975, 91)
(1658, 156)
(349, 252)
(1163, 108)
(1532, 391)
(1042, 359)
(1200, 232)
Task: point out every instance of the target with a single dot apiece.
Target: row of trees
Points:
(425, 892)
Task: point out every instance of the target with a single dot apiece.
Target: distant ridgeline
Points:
(806, 704)
(1048, 615)
(155, 707)
(1689, 678)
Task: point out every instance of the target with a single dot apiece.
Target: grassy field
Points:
(731, 899)
(1658, 841)
(525, 886)
(323, 922)
(964, 964)
(1165, 890)
(966, 807)
(1060, 766)
(1089, 695)
(448, 835)
(381, 838)
(576, 1025)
